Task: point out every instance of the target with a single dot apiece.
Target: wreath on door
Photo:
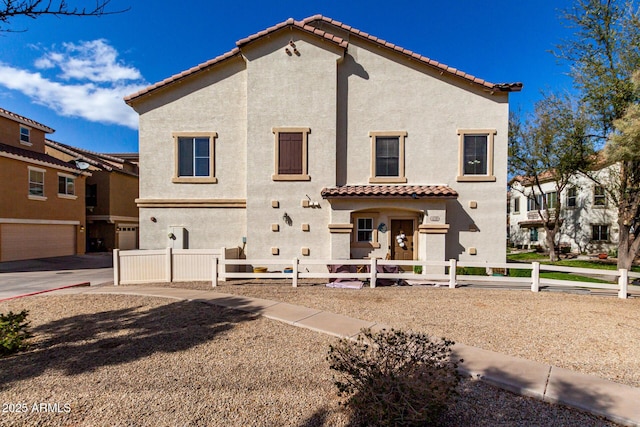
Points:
(401, 238)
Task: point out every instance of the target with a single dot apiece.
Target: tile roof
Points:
(501, 87)
(390, 191)
(25, 121)
(305, 25)
(106, 162)
(40, 157)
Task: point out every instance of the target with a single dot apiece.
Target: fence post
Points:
(453, 265)
(222, 265)
(623, 281)
(295, 265)
(535, 277)
(214, 272)
(116, 267)
(374, 272)
(169, 265)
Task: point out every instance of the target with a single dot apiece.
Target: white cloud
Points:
(90, 85)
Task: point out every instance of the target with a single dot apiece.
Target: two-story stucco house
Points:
(589, 220)
(42, 198)
(314, 139)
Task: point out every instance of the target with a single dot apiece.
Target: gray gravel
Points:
(126, 360)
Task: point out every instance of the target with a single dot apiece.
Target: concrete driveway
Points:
(23, 277)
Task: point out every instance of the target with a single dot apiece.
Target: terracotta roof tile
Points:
(503, 87)
(24, 120)
(34, 155)
(305, 25)
(390, 191)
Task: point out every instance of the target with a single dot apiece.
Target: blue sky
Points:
(71, 73)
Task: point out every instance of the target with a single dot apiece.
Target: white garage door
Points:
(127, 238)
(28, 241)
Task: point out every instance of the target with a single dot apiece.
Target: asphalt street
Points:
(23, 277)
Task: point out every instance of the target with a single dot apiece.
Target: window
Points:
(194, 157)
(552, 200)
(600, 232)
(66, 185)
(534, 202)
(516, 205)
(533, 235)
(36, 183)
(91, 195)
(291, 154)
(599, 198)
(387, 157)
(476, 155)
(25, 135)
(365, 229)
(572, 194)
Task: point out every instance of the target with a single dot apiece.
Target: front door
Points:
(402, 239)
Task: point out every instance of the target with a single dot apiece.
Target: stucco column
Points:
(433, 244)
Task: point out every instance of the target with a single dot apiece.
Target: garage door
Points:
(127, 238)
(28, 241)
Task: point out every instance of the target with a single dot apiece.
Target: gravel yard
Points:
(129, 360)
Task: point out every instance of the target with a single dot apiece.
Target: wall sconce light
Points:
(287, 219)
(153, 219)
(82, 228)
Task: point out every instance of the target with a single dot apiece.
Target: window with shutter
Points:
(291, 147)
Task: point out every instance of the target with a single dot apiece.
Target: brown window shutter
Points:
(290, 151)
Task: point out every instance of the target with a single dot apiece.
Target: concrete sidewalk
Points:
(613, 401)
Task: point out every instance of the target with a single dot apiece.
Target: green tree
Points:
(603, 54)
(11, 9)
(551, 146)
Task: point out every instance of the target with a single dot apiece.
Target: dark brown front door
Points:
(402, 239)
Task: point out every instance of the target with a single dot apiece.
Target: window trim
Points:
(28, 142)
(358, 229)
(489, 177)
(602, 196)
(211, 179)
(374, 243)
(606, 226)
(35, 196)
(66, 195)
(304, 176)
(573, 190)
(401, 178)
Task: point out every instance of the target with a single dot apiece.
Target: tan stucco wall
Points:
(341, 100)
(16, 205)
(398, 95)
(123, 193)
(290, 91)
(10, 134)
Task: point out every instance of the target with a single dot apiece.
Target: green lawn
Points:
(578, 263)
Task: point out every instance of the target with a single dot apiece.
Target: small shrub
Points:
(417, 269)
(13, 332)
(395, 378)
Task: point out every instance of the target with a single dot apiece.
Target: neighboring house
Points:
(42, 211)
(589, 219)
(111, 191)
(314, 139)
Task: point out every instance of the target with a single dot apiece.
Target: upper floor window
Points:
(25, 135)
(534, 202)
(572, 195)
(387, 157)
(291, 158)
(551, 200)
(516, 205)
(36, 183)
(476, 155)
(66, 185)
(600, 232)
(194, 157)
(599, 197)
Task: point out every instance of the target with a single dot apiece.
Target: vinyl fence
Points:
(215, 265)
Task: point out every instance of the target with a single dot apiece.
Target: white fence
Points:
(175, 265)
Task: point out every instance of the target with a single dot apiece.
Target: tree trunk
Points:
(550, 240)
(627, 248)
